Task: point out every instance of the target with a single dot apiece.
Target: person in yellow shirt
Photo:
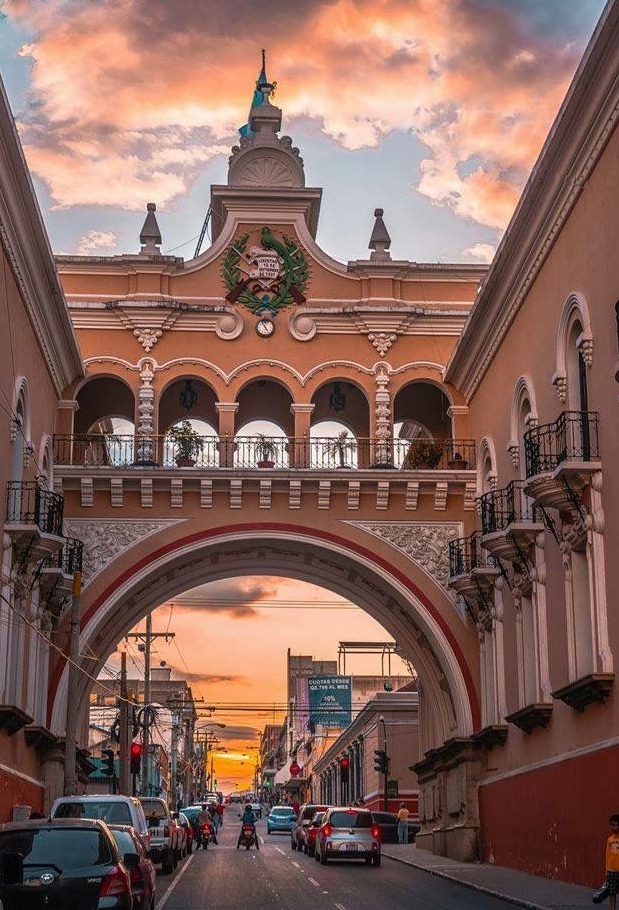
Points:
(402, 816)
(612, 861)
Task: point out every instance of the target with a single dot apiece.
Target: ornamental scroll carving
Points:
(104, 539)
(424, 543)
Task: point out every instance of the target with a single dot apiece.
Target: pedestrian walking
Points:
(219, 808)
(402, 817)
(612, 866)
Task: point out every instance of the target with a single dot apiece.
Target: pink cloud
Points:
(131, 100)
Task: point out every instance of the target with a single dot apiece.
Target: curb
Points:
(519, 901)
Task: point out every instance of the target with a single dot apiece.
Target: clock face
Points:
(265, 328)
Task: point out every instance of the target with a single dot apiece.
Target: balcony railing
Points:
(466, 554)
(322, 453)
(69, 557)
(572, 437)
(501, 508)
(29, 504)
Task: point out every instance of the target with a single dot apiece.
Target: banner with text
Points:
(330, 699)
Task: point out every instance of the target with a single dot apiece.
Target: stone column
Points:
(227, 412)
(144, 432)
(383, 433)
(300, 448)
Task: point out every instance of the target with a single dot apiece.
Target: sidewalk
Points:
(506, 884)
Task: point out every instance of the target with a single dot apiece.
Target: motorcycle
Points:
(248, 837)
(207, 834)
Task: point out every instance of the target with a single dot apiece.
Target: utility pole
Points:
(173, 757)
(146, 639)
(124, 782)
(70, 776)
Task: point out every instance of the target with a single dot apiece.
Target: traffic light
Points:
(136, 758)
(381, 762)
(344, 769)
(108, 763)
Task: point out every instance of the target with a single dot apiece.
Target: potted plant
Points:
(266, 451)
(457, 463)
(424, 453)
(336, 448)
(187, 444)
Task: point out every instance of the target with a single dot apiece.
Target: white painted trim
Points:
(553, 760)
(22, 776)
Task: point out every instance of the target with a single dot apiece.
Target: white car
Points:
(114, 810)
(167, 838)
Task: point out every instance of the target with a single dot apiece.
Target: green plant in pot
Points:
(337, 448)
(424, 453)
(187, 444)
(266, 451)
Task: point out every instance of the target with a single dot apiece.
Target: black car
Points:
(388, 824)
(63, 864)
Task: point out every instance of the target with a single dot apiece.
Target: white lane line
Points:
(160, 904)
(340, 906)
(314, 882)
(279, 850)
(296, 865)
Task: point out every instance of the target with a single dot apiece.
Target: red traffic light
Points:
(344, 766)
(344, 763)
(136, 757)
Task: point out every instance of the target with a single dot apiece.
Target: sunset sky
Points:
(432, 109)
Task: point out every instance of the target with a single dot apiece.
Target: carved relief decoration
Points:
(382, 341)
(424, 543)
(104, 539)
(148, 336)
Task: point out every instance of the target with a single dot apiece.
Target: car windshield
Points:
(124, 842)
(67, 848)
(282, 810)
(153, 808)
(116, 813)
(317, 820)
(351, 819)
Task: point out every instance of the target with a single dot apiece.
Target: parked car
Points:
(142, 876)
(188, 829)
(306, 812)
(114, 810)
(348, 833)
(388, 826)
(281, 818)
(166, 835)
(63, 863)
(309, 833)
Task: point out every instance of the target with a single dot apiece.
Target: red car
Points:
(186, 826)
(310, 832)
(143, 876)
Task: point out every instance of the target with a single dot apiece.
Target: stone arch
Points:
(45, 462)
(377, 586)
(523, 415)
(103, 389)
(575, 310)
(21, 426)
(486, 466)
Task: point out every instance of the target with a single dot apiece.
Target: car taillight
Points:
(115, 882)
(375, 831)
(327, 830)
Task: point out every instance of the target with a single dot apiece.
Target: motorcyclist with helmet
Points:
(248, 818)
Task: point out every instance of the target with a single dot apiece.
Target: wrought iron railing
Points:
(28, 503)
(466, 554)
(501, 508)
(572, 437)
(69, 557)
(322, 453)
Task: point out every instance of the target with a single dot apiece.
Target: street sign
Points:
(392, 789)
(295, 769)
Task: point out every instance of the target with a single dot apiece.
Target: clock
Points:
(265, 328)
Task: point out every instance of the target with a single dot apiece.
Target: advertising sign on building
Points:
(330, 699)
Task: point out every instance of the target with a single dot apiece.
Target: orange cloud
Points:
(130, 100)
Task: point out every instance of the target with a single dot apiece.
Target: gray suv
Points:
(348, 833)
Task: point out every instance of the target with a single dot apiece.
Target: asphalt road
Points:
(276, 878)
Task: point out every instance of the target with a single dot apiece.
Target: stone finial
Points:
(150, 235)
(380, 241)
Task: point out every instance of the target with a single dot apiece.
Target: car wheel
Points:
(167, 863)
(376, 860)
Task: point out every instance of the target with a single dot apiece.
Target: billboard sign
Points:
(330, 699)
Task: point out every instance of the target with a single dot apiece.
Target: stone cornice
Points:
(29, 253)
(579, 135)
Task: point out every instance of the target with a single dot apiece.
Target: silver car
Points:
(347, 832)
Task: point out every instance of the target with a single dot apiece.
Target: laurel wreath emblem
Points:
(286, 290)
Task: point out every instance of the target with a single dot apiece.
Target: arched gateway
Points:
(265, 409)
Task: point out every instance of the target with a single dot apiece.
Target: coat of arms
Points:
(265, 278)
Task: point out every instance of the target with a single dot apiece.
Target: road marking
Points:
(296, 864)
(340, 906)
(160, 904)
(314, 882)
(279, 850)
